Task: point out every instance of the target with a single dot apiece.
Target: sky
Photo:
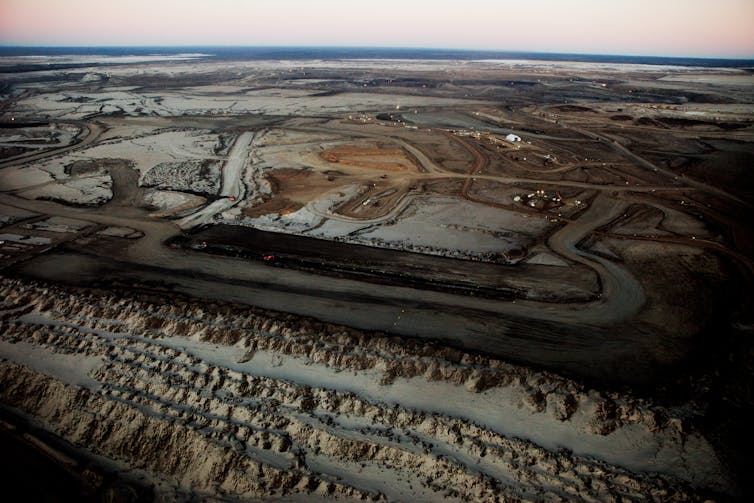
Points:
(693, 28)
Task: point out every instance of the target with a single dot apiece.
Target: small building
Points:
(512, 138)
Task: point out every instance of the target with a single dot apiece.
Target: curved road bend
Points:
(93, 132)
(622, 295)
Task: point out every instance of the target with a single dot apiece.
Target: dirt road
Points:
(232, 190)
(90, 132)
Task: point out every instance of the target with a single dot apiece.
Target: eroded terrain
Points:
(526, 276)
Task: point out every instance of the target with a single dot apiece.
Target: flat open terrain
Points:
(504, 274)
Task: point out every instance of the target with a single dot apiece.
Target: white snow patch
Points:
(546, 259)
(70, 369)
(90, 190)
(28, 240)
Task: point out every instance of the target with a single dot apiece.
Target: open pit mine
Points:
(375, 280)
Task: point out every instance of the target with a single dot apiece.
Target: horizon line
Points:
(370, 47)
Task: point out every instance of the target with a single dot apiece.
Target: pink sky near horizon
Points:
(702, 28)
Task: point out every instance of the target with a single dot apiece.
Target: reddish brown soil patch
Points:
(292, 189)
(281, 205)
(371, 158)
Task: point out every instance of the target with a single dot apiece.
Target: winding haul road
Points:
(90, 132)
